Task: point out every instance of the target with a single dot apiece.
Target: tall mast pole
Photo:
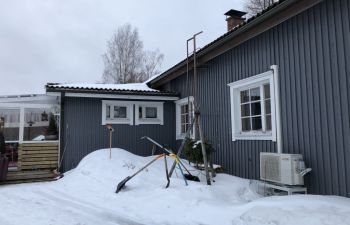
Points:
(197, 111)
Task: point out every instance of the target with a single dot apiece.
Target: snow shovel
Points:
(121, 184)
(188, 176)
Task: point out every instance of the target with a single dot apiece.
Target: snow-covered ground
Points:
(86, 196)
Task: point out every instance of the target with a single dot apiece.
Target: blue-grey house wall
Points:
(83, 132)
(312, 51)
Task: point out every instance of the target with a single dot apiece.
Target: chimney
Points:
(234, 18)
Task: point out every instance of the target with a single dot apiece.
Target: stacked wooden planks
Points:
(16, 177)
(35, 163)
(35, 156)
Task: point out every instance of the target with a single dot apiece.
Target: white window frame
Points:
(129, 112)
(248, 83)
(179, 103)
(22, 108)
(160, 114)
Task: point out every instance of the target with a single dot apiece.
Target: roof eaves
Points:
(107, 91)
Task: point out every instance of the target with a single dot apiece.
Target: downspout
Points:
(62, 127)
(278, 109)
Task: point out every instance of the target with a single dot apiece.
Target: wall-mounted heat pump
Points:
(285, 169)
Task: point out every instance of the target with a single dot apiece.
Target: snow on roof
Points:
(113, 87)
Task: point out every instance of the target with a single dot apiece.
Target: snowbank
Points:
(86, 195)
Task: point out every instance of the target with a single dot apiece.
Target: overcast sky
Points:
(63, 40)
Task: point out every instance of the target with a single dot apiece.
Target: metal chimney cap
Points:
(235, 13)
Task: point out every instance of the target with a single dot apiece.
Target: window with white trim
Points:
(253, 108)
(184, 114)
(149, 113)
(117, 112)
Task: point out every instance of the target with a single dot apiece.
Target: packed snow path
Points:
(86, 196)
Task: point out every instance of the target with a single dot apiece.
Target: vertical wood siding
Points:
(85, 134)
(312, 51)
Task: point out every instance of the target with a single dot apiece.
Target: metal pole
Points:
(197, 111)
(110, 144)
(195, 93)
(277, 108)
(188, 89)
(204, 152)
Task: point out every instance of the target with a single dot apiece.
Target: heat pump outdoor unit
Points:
(282, 168)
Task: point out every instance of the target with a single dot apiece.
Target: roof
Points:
(132, 88)
(275, 8)
(28, 99)
(20, 96)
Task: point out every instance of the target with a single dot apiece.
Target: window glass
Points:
(246, 124)
(151, 112)
(140, 112)
(256, 123)
(256, 108)
(9, 121)
(251, 111)
(39, 125)
(184, 118)
(108, 111)
(255, 94)
(244, 96)
(245, 110)
(268, 106)
(119, 112)
(9, 127)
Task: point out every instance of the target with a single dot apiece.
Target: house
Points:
(278, 81)
(307, 44)
(134, 110)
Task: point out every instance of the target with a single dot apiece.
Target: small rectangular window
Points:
(184, 114)
(149, 113)
(117, 112)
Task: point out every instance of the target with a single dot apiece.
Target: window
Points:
(117, 112)
(148, 113)
(122, 112)
(27, 123)
(253, 107)
(184, 115)
(10, 123)
(10, 128)
(37, 125)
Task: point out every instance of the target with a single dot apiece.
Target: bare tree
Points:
(126, 61)
(255, 6)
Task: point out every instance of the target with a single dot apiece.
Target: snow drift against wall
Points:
(86, 195)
